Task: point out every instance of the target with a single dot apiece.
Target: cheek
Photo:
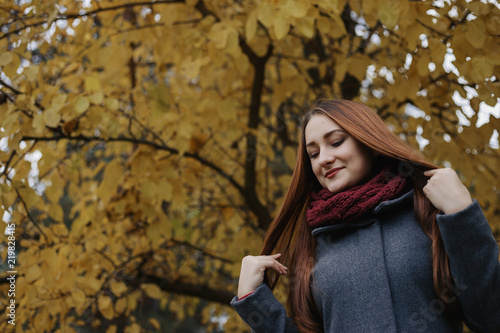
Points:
(364, 163)
(316, 168)
(360, 160)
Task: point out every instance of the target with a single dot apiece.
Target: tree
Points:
(146, 145)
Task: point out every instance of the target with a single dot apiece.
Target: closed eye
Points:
(338, 143)
(313, 155)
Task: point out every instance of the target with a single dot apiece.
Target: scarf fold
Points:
(327, 208)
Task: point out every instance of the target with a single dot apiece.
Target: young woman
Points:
(371, 238)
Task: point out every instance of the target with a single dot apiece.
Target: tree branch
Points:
(6, 166)
(259, 65)
(142, 142)
(434, 30)
(30, 217)
(92, 12)
(196, 248)
(183, 288)
(250, 196)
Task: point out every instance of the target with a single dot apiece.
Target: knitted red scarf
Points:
(327, 208)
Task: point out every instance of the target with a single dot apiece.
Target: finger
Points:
(272, 256)
(282, 267)
(275, 265)
(424, 190)
(430, 173)
(279, 268)
(272, 262)
(277, 255)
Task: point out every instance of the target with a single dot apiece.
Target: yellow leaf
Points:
(423, 65)
(59, 229)
(78, 296)
(251, 26)
(50, 256)
(111, 179)
(81, 104)
(324, 24)
(96, 98)
(30, 197)
(151, 290)
(132, 300)
(13, 65)
(165, 227)
(95, 243)
(31, 72)
(412, 36)
(38, 123)
(482, 67)
(33, 273)
(154, 234)
(160, 100)
(92, 284)
(306, 26)
(265, 14)
(79, 223)
(149, 189)
(105, 306)
(134, 328)
(118, 287)
(165, 190)
(155, 323)
(6, 58)
(185, 130)
(297, 8)
(51, 117)
(56, 212)
(290, 156)
(388, 13)
(218, 35)
(58, 101)
(111, 329)
(189, 68)
(41, 320)
(92, 83)
(55, 190)
(281, 26)
(112, 103)
(358, 66)
(475, 33)
(233, 43)
(121, 305)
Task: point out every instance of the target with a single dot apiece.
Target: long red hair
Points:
(289, 235)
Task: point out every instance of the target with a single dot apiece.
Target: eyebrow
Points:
(312, 143)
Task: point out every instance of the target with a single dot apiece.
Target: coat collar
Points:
(404, 200)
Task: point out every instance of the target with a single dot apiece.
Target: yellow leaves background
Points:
(145, 148)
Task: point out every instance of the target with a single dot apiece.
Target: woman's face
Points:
(338, 160)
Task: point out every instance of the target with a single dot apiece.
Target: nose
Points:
(326, 159)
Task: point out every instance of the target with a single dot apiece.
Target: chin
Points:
(335, 189)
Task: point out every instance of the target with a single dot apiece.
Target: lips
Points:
(333, 172)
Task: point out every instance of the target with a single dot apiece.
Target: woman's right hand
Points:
(252, 272)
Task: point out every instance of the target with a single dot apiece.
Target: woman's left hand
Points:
(445, 191)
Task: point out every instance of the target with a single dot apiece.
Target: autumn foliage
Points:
(145, 146)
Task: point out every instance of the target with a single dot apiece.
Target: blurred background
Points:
(145, 146)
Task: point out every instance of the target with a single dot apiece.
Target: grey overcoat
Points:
(375, 275)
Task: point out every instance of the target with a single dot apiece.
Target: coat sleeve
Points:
(475, 266)
(263, 313)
